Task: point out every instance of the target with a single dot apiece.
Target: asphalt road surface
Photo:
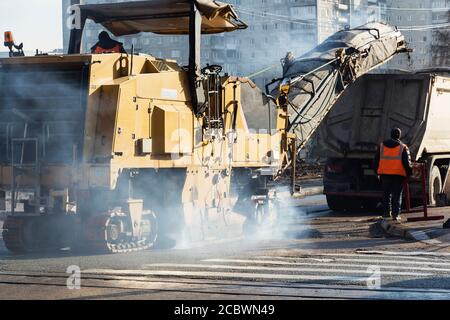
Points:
(314, 254)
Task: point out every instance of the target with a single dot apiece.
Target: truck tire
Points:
(336, 203)
(354, 204)
(435, 185)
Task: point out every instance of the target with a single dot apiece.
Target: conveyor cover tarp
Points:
(315, 87)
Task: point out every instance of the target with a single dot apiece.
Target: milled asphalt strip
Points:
(231, 275)
(316, 270)
(398, 253)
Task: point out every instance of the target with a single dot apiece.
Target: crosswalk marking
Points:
(250, 268)
(327, 264)
(341, 270)
(288, 263)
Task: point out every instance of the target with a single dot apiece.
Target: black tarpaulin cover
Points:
(312, 97)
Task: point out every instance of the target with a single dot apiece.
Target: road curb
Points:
(393, 230)
(396, 229)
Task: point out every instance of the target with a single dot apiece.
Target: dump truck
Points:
(363, 117)
(116, 152)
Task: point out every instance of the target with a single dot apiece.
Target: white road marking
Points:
(327, 264)
(434, 242)
(422, 236)
(361, 260)
(384, 266)
(206, 274)
(376, 254)
(317, 270)
(342, 269)
(419, 235)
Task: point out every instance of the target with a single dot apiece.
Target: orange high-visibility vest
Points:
(100, 50)
(391, 160)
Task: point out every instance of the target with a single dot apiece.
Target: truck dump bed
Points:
(364, 115)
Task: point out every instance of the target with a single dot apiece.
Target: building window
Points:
(175, 53)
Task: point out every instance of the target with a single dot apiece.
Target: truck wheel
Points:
(435, 184)
(335, 203)
(354, 204)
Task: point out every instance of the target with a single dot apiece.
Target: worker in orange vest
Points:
(107, 45)
(393, 165)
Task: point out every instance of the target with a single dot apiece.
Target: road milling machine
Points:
(115, 152)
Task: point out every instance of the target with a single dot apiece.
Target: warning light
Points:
(9, 42)
(9, 39)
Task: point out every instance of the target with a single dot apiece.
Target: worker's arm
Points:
(406, 160)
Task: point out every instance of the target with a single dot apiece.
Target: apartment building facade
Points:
(275, 28)
(421, 16)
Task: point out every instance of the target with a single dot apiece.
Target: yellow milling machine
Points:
(114, 152)
(121, 152)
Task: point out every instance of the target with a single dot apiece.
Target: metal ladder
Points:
(214, 113)
(18, 167)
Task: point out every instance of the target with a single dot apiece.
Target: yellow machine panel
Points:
(172, 130)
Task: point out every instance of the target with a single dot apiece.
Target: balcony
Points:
(343, 7)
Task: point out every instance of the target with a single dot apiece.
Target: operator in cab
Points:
(107, 45)
(393, 165)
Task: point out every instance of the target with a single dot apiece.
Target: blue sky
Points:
(36, 23)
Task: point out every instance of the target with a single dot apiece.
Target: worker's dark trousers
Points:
(392, 194)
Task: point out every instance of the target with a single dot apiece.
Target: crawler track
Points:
(96, 236)
(23, 234)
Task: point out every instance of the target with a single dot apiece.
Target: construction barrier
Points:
(420, 173)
